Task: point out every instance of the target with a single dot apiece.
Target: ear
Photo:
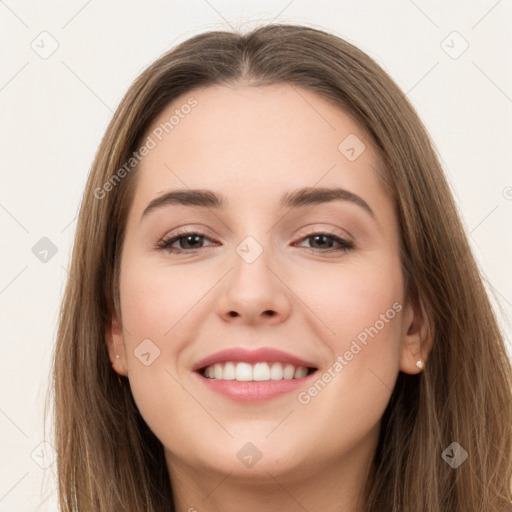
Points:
(115, 343)
(418, 338)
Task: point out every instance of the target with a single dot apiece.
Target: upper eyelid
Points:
(302, 235)
(309, 229)
(312, 231)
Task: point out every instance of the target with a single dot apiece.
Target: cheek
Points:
(363, 306)
(157, 299)
(355, 301)
(155, 302)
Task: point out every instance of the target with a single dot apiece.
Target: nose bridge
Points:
(252, 290)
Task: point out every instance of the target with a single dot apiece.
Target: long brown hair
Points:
(109, 460)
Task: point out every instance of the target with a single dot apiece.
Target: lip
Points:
(252, 391)
(263, 354)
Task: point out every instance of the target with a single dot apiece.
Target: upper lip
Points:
(251, 356)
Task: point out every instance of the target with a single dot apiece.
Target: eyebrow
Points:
(301, 197)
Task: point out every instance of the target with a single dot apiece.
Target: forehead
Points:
(256, 143)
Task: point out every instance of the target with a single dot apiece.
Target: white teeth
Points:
(257, 372)
(229, 371)
(261, 371)
(217, 371)
(243, 372)
(300, 372)
(276, 371)
(289, 371)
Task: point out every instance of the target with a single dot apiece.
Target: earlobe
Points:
(115, 345)
(417, 340)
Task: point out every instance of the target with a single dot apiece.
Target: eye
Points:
(321, 239)
(190, 241)
(187, 240)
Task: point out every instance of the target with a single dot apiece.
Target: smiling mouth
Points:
(257, 372)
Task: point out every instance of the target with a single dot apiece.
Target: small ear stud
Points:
(420, 364)
(117, 356)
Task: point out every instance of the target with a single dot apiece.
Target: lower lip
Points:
(253, 391)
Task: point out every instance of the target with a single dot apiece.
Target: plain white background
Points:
(55, 107)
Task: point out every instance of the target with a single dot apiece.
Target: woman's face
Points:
(278, 264)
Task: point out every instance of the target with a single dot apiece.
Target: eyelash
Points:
(165, 244)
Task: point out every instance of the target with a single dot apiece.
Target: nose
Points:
(255, 293)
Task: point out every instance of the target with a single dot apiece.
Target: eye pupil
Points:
(321, 237)
(187, 237)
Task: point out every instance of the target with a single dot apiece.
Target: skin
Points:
(252, 144)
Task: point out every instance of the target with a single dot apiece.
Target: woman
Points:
(273, 303)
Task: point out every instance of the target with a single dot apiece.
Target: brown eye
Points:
(324, 242)
(186, 241)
